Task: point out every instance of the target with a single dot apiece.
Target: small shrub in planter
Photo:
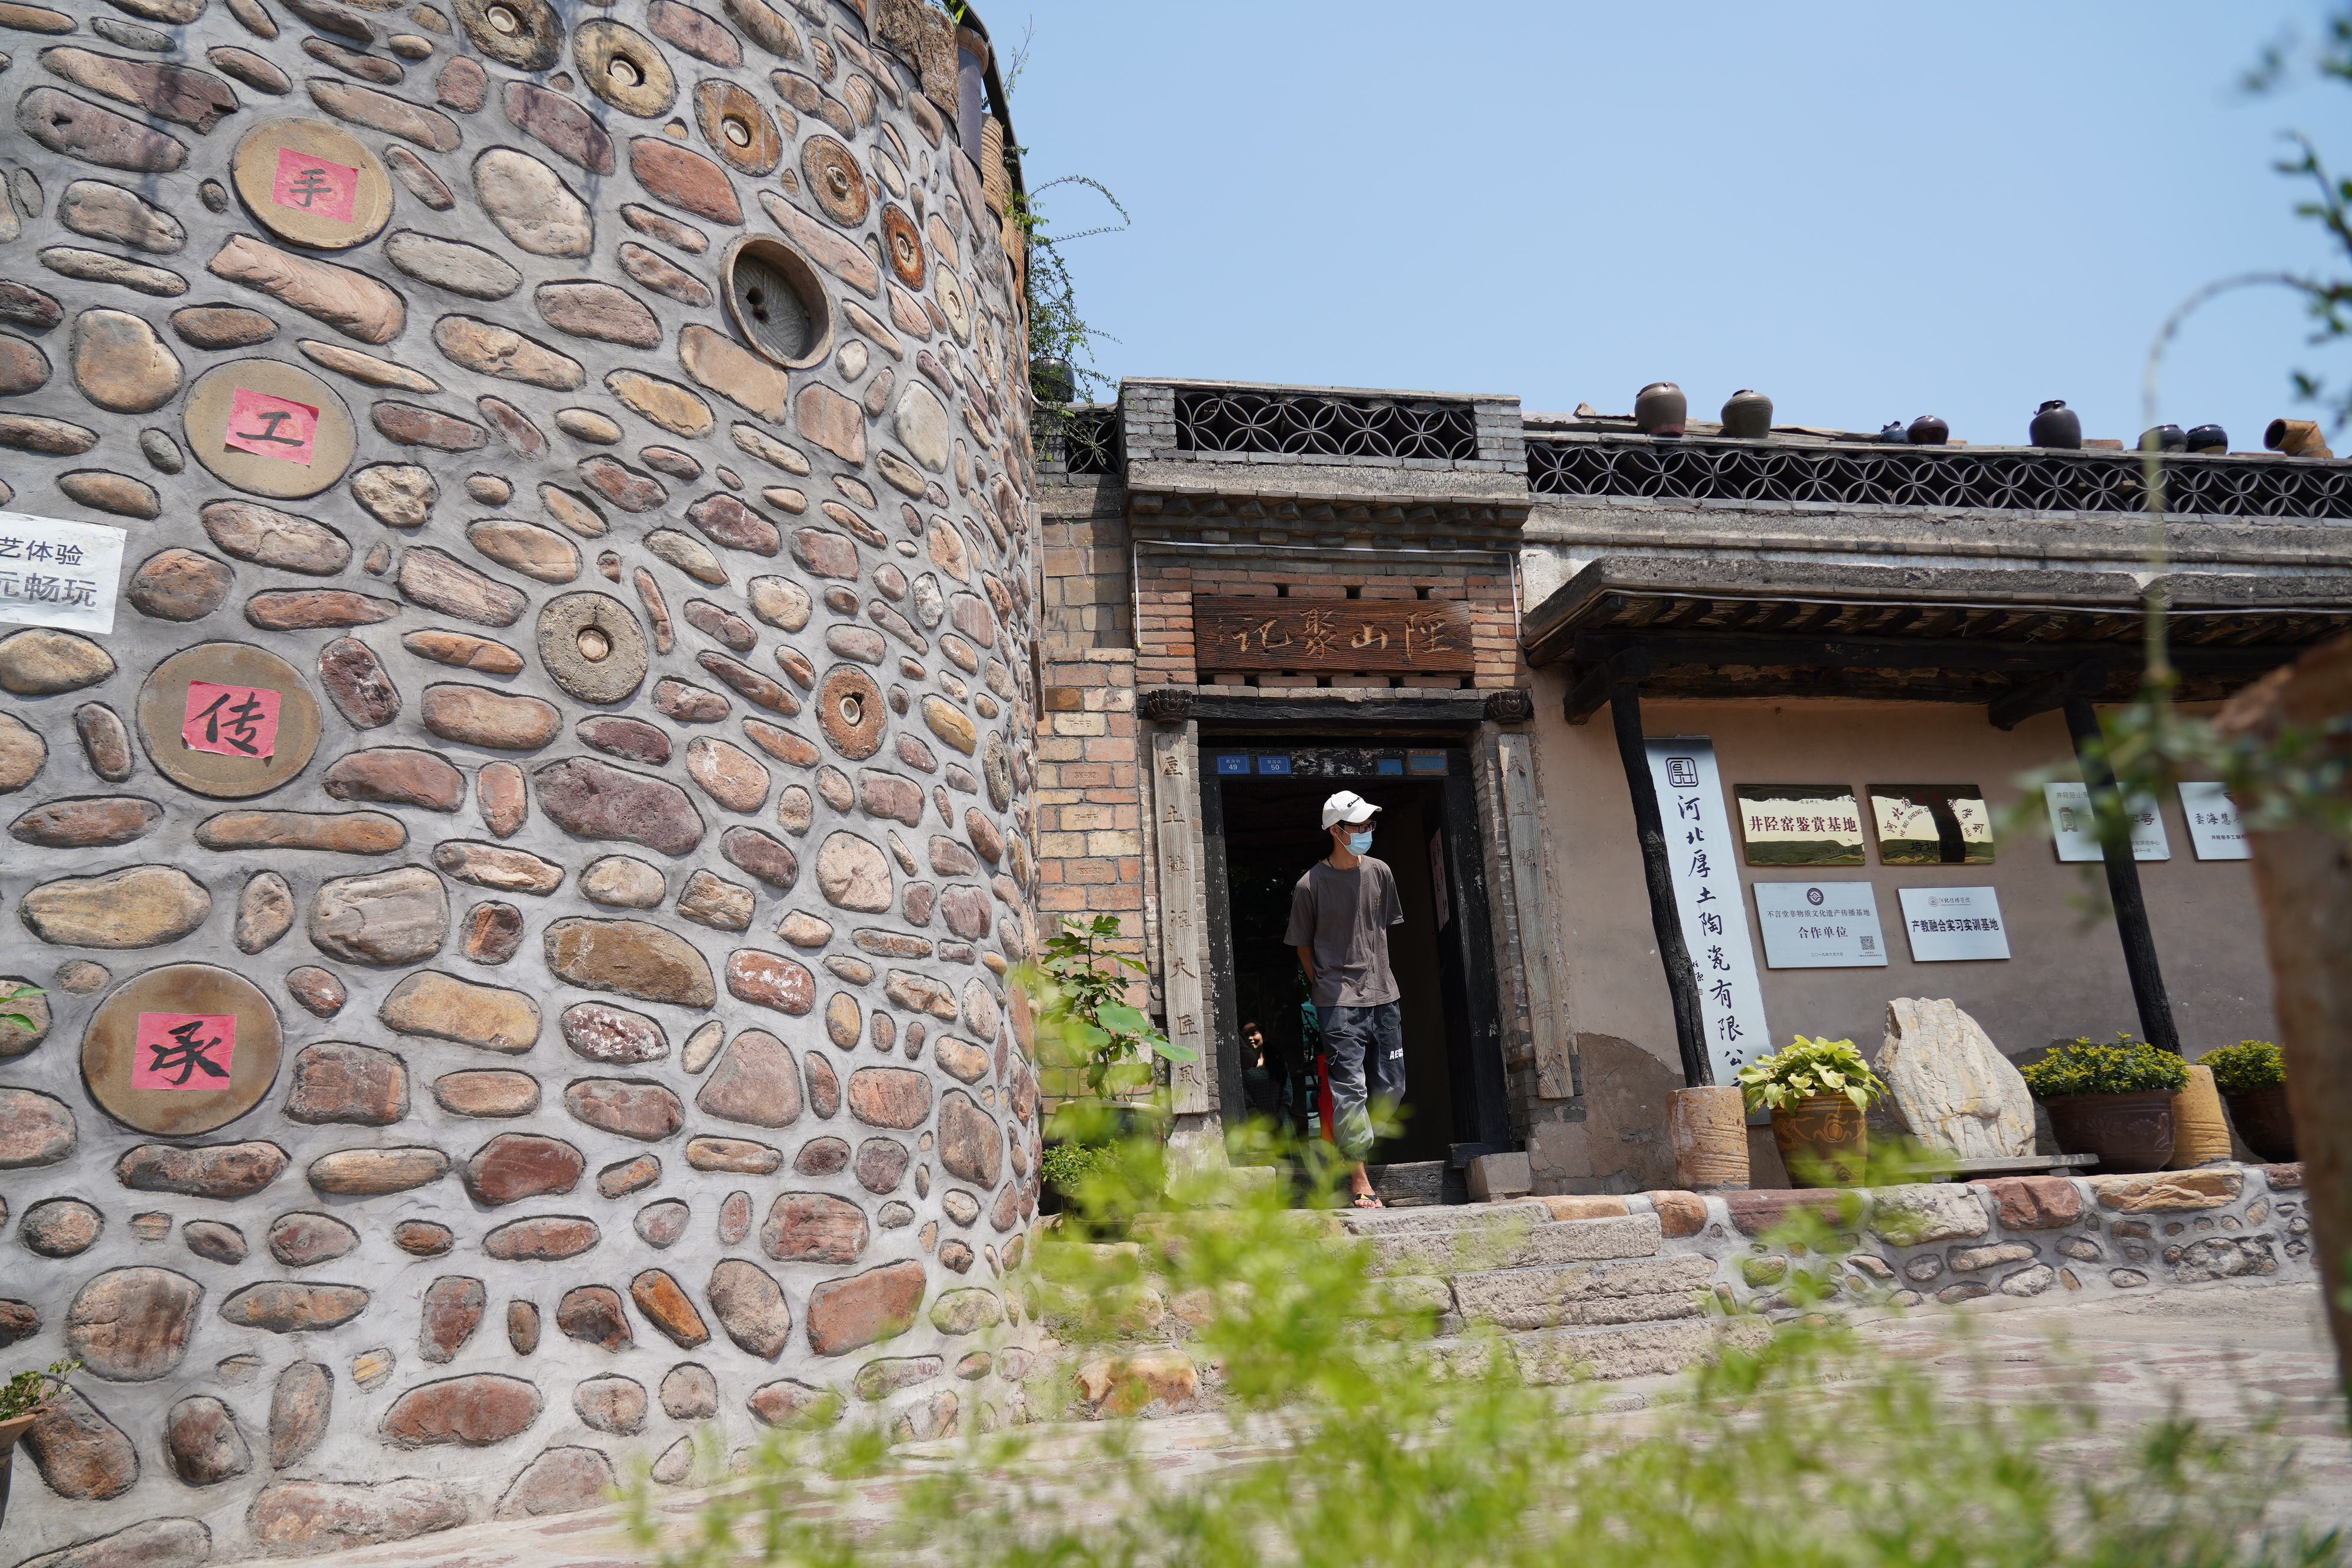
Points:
(2252, 1076)
(2115, 1102)
(1819, 1092)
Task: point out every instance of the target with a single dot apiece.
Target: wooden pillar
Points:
(2155, 1024)
(1666, 920)
(1175, 804)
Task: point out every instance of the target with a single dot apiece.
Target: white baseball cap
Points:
(1348, 806)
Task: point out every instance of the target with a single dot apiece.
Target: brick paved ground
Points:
(2217, 1351)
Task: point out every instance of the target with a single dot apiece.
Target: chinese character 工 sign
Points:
(1704, 857)
(1345, 635)
(58, 574)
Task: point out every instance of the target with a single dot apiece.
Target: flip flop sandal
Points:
(1370, 1201)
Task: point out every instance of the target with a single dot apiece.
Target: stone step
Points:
(1515, 1237)
(1575, 1354)
(1584, 1295)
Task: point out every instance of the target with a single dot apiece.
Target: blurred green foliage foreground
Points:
(1350, 1440)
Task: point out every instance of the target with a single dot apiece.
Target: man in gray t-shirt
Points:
(1339, 918)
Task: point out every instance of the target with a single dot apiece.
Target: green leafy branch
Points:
(30, 1389)
(17, 991)
(1079, 993)
(1809, 1069)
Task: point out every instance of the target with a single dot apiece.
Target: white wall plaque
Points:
(2214, 830)
(1947, 924)
(1820, 925)
(58, 574)
(1705, 859)
(2072, 830)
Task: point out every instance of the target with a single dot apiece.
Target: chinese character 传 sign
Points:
(1345, 635)
(231, 720)
(1820, 925)
(1950, 924)
(1704, 858)
(58, 574)
(184, 1050)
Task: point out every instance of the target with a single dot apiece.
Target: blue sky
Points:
(1868, 212)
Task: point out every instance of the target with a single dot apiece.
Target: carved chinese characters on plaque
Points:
(1426, 636)
(1177, 797)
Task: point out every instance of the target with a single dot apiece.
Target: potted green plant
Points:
(1086, 1028)
(2115, 1102)
(2252, 1076)
(22, 1399)
(1819, 1092)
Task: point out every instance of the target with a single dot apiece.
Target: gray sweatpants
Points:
(1365, 1050)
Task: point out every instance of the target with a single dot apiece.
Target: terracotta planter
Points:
(2200, 1135)
(2265, 1121)
(10, 1430)
(1707, 1126)
(2128, 1132)
(1824, 1141)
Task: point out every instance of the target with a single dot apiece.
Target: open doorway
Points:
(1262, 821)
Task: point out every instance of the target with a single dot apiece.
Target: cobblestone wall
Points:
(556, 794)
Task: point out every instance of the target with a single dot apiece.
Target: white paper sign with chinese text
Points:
(1705, 859)
(58, 574)
(1948, 925)
(2214, 830)
(1820, 925)
(2073, 830)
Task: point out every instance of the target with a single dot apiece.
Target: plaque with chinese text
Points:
(1799, 825)
(2075, 832)
(58, 574)
(1932, 825)
(1949, 925)
(1404, 636)
(269, 427)
(1703, 857)
(181, 1050)
(1820, 925)
(313, 182)
(228, 719)
(2214, 830)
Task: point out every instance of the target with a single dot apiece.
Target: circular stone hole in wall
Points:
(594, 645)
(738, 130)
(853, 712)
(625, 72)
(504, 20)
(777, 303)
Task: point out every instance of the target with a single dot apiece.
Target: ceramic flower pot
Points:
(2057, 426)
(1747, 416)
(10, 1430)
(1825, 1141)
(2264, 1122)
(2128, 1132)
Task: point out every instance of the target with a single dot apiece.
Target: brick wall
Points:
(1166, 586)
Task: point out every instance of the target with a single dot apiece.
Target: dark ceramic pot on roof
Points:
(1661, 409)
(1747, 414)
(2208, 438)
(1892, 433)
(1927, 431)
(2163, 438)
(2057, 426)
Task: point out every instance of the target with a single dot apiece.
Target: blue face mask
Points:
(1360, 842)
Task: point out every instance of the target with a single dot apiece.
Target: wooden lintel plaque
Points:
(1413, 636)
